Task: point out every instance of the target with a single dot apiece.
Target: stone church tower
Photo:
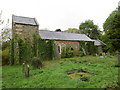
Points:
(24, 26)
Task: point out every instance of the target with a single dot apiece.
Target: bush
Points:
(5, 45)
(81, 54)
(36, 62)
(5, 56)
(69, 52)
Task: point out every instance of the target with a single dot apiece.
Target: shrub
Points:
(81, 54)
(5, 56)
(36, 62)
(0, 57)
(5, 45)
(69, 52)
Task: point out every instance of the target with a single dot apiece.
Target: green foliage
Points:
(23, 50)
(105, 39)
(90, 29)
(58, 30)
(69, 52)
(81, 54)
(45, 49)
(11, 57)
(5, 56)
(63, 52)
(112, 30)
(73, 30)
(108, 23)
(92, 50)
(54, 74)
(35, 45)
(5, 52)
(36, 62)
(88, 48)
(5, 45)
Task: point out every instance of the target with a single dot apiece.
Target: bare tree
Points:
(1, 21)
(5, 31)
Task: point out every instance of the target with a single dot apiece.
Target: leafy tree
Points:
(112, 30)
(108, 23)
(73, 30)
(58, 30)
(90, 29)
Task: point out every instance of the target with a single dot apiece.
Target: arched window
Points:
(59, 49)
(72, 49)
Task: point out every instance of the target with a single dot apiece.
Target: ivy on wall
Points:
(11, 51)
(45, 49)
(88, 48)
(68, 52)
(23, 49)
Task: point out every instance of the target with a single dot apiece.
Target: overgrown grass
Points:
(54, 74)
(0, 77)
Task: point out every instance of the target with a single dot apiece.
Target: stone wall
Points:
(62, 45)
(25, 31)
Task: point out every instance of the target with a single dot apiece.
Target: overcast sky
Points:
(63, 14)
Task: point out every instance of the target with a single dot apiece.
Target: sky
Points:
(59, 14)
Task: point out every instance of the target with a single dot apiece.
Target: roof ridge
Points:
(24, 20)
(23, 16)
(36, 21)
(63, 32)
(63, 36)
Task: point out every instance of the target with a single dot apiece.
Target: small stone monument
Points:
(25, 70)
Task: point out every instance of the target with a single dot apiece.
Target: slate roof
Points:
(24, 20)
(63, 36)
(99, 43)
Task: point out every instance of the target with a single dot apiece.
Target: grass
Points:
(54, 74)
(0, 77)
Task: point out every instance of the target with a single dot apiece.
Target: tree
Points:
(73, 30)
(108, 23)
(90, 29)
(6, 32)
(58, 30)
(1, 21)
(112, 30)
